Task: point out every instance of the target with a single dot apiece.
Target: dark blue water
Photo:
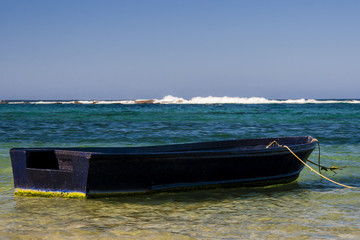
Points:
(310, 208)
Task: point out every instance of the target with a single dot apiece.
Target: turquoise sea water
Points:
(309, 208)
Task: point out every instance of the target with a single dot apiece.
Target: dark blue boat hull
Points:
(86, 172)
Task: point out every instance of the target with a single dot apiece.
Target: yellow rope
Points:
(284, 146)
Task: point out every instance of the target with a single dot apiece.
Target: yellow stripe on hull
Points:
(38, 193)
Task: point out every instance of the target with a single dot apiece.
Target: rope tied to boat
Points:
(303, 162)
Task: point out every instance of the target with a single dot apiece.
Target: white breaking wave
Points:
(195, 100)
(242, 100)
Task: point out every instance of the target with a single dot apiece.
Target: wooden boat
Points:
(94, 172)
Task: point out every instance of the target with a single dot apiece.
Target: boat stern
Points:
(49, 172)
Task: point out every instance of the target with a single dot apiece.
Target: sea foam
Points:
(169, 99)
(243, 100)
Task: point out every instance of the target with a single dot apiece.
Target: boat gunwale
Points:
(203, 148)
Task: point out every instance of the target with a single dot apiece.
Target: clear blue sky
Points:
(148, 49)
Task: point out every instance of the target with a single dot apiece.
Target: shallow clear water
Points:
(310, 208)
